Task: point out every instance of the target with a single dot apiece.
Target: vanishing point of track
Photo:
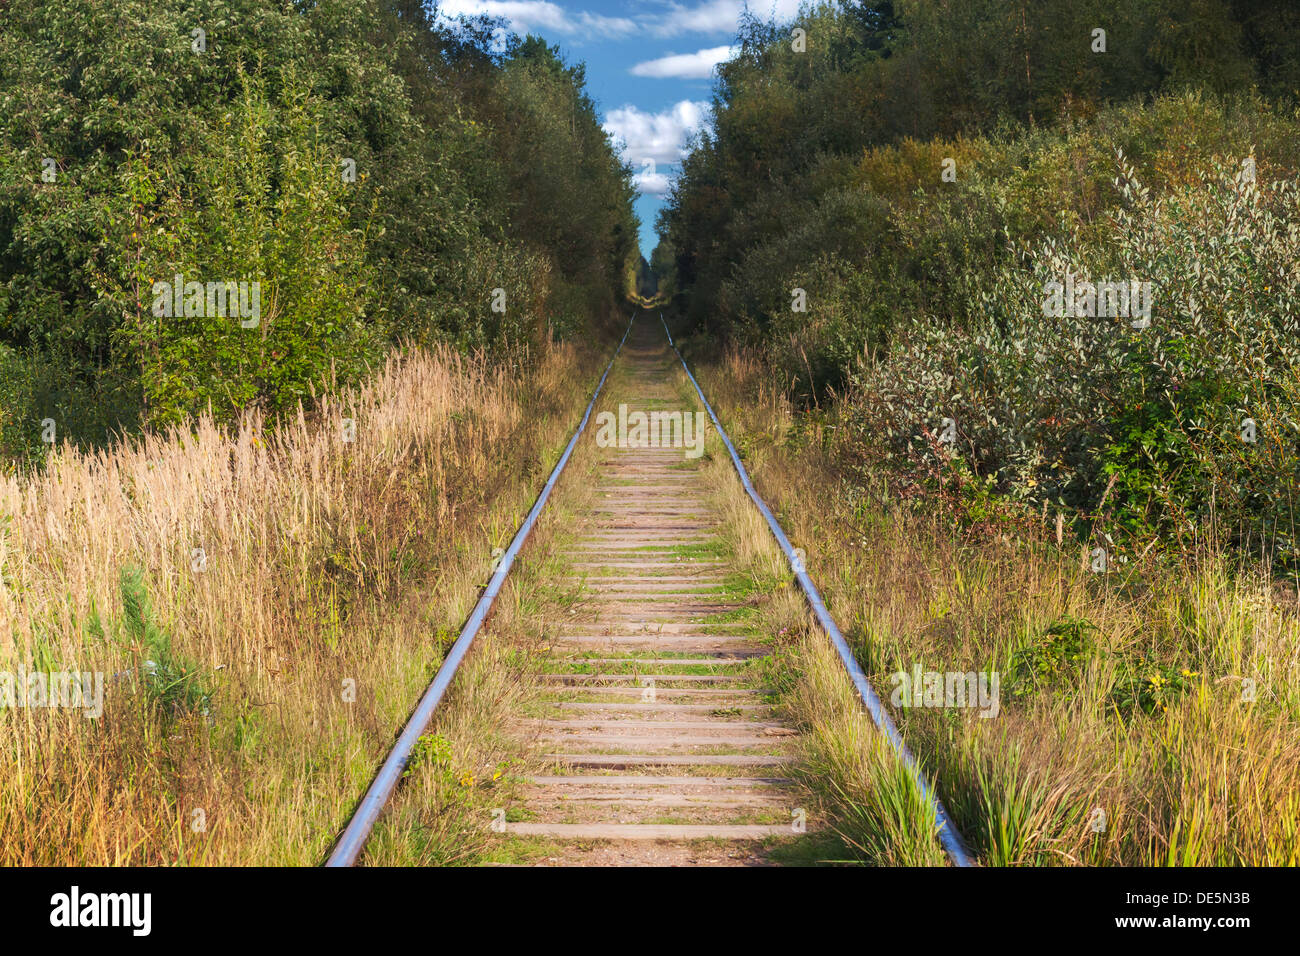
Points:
(651, 720)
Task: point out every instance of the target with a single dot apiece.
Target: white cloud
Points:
(650, 140)
(685, 66)
(535, 15)
(673, 19)
(652, 184)
(714, 16)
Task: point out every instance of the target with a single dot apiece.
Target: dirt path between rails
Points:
(659, 742)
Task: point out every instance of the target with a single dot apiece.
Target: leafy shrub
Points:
(1056, 409)
(1059, 657)
(171, 683)
(1149, 687)
(264, 203)
(1054, 658)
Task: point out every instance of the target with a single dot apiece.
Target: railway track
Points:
(652, 720)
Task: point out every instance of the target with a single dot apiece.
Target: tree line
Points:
(887, 190)
(378, 174)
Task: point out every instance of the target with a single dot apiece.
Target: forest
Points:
(383, 175)
(889, 190)
(327, 347)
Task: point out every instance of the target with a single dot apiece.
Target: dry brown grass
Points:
(1200, 777)
(444, 812)
(850, 777)
(326, 561)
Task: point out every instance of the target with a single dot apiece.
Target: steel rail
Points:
(948, 835)
(354, 835)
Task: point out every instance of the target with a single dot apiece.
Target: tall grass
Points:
(1149, 715)
(267, 602)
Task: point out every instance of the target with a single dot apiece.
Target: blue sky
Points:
(649, 69)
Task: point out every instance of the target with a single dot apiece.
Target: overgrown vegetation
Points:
(897, 253)
(379, 172)
(264, 606)
(1147, 718)
(1095, 503)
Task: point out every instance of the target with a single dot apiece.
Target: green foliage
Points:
(432, 754)
(663, 266)
(1058, 409)
(433, 750)
(1057, 661)
(172, 684)
(924, 293)
(474, 171)
(1149, 687)
(1151, 456)
(222, 221)
(1054, 659)
(35, 387)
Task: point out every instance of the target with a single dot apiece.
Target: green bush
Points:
(475, 171)
(263, 205)
(1059, 409)
(172, 684)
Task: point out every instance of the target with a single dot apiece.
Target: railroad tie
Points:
(654, 723)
